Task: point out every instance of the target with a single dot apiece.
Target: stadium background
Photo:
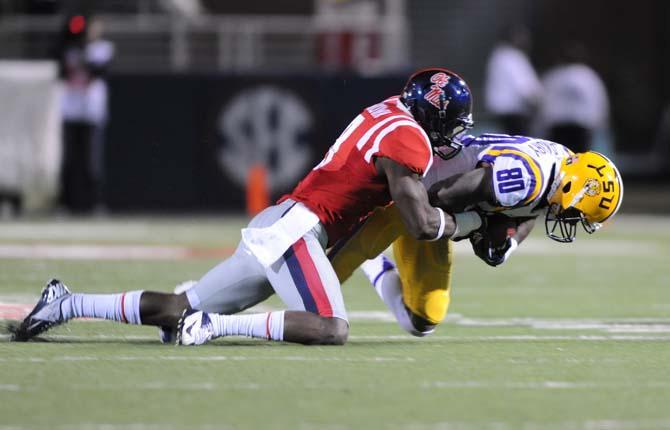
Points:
(177, 73)
(559, 338)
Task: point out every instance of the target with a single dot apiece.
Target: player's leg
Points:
(305, 281)
(58, 305)
(425, 268)
(418, 293)
(368, 241)
(303, 278)
(231, 286)
(364, 248)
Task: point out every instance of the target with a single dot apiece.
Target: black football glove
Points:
(493, 256)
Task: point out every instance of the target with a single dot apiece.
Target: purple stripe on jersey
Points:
(299, 280)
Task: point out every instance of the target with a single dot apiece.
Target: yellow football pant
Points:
(424, 267)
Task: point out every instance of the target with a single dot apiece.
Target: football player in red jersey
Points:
(379, 159)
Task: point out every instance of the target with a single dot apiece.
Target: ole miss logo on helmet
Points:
(439, 80)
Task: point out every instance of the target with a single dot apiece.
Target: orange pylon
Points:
(258, 196)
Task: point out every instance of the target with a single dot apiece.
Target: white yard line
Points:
(205, 358)
(93, 252)
(536, 385)
(544, 246)
(516, 338)
(606, 424)
(10, 309)
(429, 385)
(403, 338)
(10, 387)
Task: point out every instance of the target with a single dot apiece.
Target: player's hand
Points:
(492, 255)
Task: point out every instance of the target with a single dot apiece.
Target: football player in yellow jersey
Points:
(518, 177)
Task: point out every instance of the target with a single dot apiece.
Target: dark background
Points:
(163, 145)
(162, 136)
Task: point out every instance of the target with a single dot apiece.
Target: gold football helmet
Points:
(588, 189)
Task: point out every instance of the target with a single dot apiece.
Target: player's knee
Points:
(334, 331)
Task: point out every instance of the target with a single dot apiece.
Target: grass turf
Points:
(561, 337)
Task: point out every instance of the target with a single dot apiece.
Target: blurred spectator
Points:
(84, 56)
(99, 53)
(575, 105)
(513, 89)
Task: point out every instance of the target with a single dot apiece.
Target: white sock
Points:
(384, 277)
(376, 268)
(269, 325)
(124, 307)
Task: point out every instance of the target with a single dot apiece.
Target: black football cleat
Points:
(46, 313)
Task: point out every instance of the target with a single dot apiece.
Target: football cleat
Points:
(194, 328)
(46, 313)
(168, 334)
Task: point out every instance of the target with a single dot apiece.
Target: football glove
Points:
(493, 256)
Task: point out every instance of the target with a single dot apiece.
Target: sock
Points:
(124, 307)
(384, 277)
(269, 325)
(376, 268)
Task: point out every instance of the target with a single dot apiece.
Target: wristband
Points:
(440, 230)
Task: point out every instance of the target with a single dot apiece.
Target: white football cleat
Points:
(194, 328)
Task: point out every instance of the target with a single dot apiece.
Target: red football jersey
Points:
(345, 187)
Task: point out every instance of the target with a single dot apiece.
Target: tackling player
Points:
(378, 159)
(504, 177)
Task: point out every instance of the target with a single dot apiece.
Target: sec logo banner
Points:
(265, 125)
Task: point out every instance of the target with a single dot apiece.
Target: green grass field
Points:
(561, 337)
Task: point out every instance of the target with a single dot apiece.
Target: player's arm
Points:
(523, 229)
(422, 220)
(457, 192)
